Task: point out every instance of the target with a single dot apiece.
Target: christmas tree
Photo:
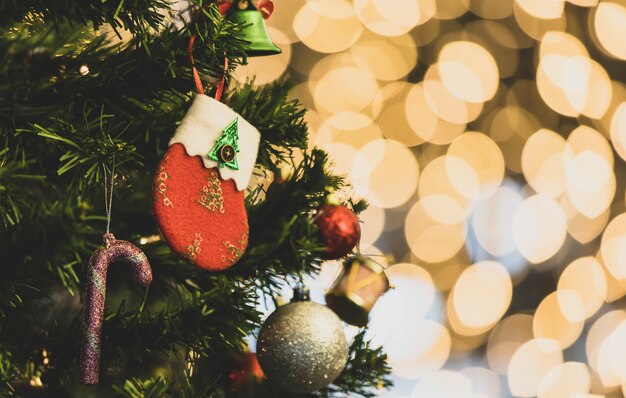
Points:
(92, 91)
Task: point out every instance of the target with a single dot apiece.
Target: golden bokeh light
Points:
(539, 228)
(475, 165)
(612, 247)
(609, 25)
(476, 310)
(327, 26)
(351, 128)
(493, 221)
(444, 384)
(565, 380)
(530, 364)
(474, 81)
(373, 219)
(618, 130)
(347, 89)
(385, 172)
(431, 240)
(434, 180)
(482, 131)
(585, 277)
(506, 338)
(396, 20)
(542, 162)
(388, 59)
(491, 9)
(560, 317)
(544, 9)
(395, 120)
(445, 104)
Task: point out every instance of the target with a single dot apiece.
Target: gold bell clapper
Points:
(357, 288)
(246, 14)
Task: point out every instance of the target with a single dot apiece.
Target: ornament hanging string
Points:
(108, 193)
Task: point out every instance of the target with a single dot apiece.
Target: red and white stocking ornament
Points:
(198, 192)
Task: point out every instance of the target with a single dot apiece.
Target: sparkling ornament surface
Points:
(302, 347)
(339, 230)
(112, 250)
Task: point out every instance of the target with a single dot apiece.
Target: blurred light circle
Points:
(612, 356)
(584, 138)
(342, 157)
(590, 183)
(544, 9)
(618, 130)
(443, 103)
(411, 357)
(263, 70)
(574, 85)
(388, 59)
(430, 240)
(542, 162)
(352, 128)
(451, 9)
(468, 71)
(386, 173)
(551, 319)
(491, 9)
(584, 3)
(425, 123)
(394, 118)
(345, 89)
(580, 227)
(584, 277)
(283, 17)
(539, 228)
(566, 380)
(599, 332)
(396, 18)
(484, 381)
(413, 287)
(327, 26)
(615, 289)
(613, 247)
(373, 222)
(529, 365)
(434, 180)
(443, 384)
(510, 128)
(506, 338)
(609, 24)
(561, 43)
(534, 26)
(481, 296)
(475, 155)
(493, 221)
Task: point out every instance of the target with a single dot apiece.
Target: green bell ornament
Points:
(246, 14)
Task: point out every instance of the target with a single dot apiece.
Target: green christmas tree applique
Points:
(226, 146)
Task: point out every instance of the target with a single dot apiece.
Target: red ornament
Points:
(248, 371)
(339, 230)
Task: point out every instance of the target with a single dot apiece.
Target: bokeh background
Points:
(489, 137)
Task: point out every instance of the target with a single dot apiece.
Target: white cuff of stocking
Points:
(204, 123)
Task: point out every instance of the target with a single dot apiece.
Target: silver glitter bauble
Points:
(302, 347)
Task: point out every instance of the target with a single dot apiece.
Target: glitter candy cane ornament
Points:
(112, 250)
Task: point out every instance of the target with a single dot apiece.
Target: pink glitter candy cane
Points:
(95, 290)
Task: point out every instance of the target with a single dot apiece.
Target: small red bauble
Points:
(250, 370)
(339, 230)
